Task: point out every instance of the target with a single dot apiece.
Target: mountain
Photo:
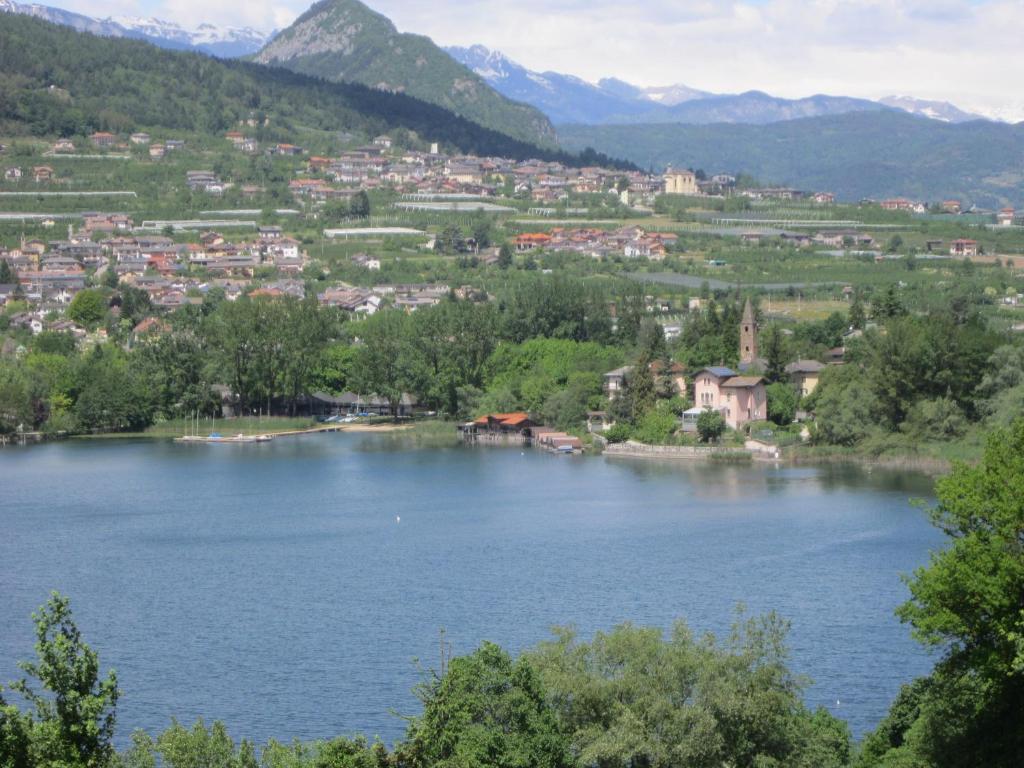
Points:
(752, 107)
(855, 155)
(671, 95)
(223, 42)
(936, 110)
(563, 98)
(567, 99)
(343, 40)
(122, 85)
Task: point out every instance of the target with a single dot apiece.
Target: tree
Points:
(7, 275)
(88, 308)
(634, 698)
(450, 241)
(383, 364)
(782, 403)
(657, 425)
(969, 602)
(857, 317)
(482, 232)
(110, 278)
(72, 723)
(642, 391)
(111, 395)
(775, 354)
(889, 305)
(505, 257)
(360, 205)
(895, 243)
(710, 425)
(15, 398)
(486, 710)
(844, 408)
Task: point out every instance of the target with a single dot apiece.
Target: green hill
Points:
(55, 81)
(856, 155)
(344, 41)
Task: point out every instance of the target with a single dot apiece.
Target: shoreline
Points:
(793, 456)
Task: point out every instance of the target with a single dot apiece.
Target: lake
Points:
(288, 588)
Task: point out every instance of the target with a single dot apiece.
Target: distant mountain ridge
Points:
(880, 154)
(345, 41)
(567, 99)
(187, 94)
(223, 42)
(936, 110)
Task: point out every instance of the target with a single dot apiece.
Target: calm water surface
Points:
(272, 586)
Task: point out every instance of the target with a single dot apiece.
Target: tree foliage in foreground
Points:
(968, 602)
(632, 698)
(71, 715)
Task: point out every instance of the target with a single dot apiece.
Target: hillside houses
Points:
(629, 242)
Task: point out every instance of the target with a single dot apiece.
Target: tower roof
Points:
(748, 313)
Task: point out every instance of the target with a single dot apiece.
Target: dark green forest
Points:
(55, 81)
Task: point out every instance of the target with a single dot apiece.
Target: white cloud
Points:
(965, 51)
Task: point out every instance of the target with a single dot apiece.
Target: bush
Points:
(710, 425)
(937, 419)
(658, 425)
(619, 433)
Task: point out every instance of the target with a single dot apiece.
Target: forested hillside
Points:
(344, 41)
(55, 81)
(857, 155)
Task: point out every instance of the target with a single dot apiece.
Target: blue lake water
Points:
(273, 587)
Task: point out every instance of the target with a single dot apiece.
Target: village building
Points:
(898, 204)
(139, 139)
(1005, 217)
(615, 381)
(103, 140)
(804, 375)
(963, 247)
(740, 399)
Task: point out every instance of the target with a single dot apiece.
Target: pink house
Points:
(740, 399)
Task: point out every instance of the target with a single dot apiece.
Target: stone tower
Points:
(748, 335)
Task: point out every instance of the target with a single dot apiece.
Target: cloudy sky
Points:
(968, 52)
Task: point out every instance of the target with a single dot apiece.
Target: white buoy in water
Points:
(398, 518)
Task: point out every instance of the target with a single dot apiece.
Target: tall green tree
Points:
(7, 275)
(384, 363)
(487, 710)
(969, 602)
(71, 719)
(774, 350)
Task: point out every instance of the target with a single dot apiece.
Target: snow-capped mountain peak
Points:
(935, 110)
(226, 42)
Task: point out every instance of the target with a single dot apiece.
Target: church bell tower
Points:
(748, 335)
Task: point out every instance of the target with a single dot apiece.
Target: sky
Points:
(968, 52)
